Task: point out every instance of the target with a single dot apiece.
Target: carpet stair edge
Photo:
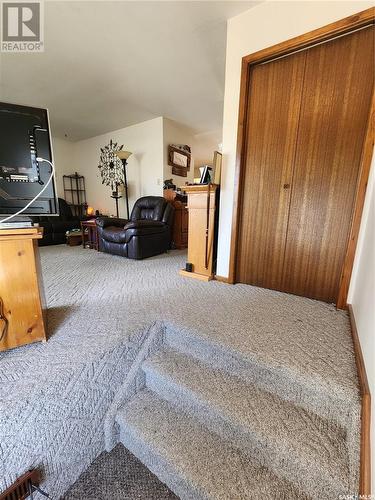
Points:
(187, 385)
(287, 385)
(193, 462)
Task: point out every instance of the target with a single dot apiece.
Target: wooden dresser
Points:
(181, 219)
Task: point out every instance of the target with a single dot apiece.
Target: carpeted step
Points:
(317, 395)
(298, 446)
(195, 463)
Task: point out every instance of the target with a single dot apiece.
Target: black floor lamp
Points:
(124, 155)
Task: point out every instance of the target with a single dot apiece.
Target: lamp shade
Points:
(123, 155)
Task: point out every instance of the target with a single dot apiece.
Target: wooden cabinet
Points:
(305, 122)
(201, 246)
(22, 301)
(180, 225)
(181, 219)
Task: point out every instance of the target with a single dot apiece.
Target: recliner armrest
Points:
(145, 230)
(143, 223)
(111, 221)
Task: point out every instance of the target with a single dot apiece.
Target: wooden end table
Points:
(73, 238)
(90, 234)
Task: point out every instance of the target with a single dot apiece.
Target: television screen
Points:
(24, 136)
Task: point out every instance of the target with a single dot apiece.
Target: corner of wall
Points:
(145, 168)
(176, 133)
(64, 160)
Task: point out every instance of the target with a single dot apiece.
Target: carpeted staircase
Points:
(214, 424)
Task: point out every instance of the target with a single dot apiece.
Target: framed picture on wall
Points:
(217, 167)
(179, 159)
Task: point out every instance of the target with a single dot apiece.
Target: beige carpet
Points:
(55, 395)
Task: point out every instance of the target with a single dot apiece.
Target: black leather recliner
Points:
(147, 233)
(55, 227)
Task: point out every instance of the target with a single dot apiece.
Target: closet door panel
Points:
(337, 92)
(273, 109)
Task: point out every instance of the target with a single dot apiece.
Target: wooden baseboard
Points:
(196, 276)
(222, 279)
(365, 458)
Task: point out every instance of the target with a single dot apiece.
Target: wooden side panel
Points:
(337, 94)
(184, 220)
(274, 104)
(20, 293)
(197, 204)
(40, 284)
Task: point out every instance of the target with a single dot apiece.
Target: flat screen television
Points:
(25, 136)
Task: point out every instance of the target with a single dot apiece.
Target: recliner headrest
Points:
(149, 207)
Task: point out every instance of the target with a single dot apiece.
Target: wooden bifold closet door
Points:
(306, 123)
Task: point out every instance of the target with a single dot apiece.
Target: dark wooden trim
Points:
(240, 154)
(222, 279)
(365, 453)
(341, 27)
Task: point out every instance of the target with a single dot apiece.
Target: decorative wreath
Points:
(110, 165)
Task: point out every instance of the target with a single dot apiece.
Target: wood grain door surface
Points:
(307, 117)
(274, 104)
(335, 108)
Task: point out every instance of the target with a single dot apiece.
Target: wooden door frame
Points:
(364, 389)
(341, 27)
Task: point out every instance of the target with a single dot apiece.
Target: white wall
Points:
(262, 26)
(202, 147)
(362, 295)
(175, 133)
(144, 170)
(63, 156)
(147, 167)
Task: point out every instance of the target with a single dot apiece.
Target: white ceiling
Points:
(108, 65)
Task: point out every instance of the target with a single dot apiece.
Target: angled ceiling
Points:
(108, 65)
